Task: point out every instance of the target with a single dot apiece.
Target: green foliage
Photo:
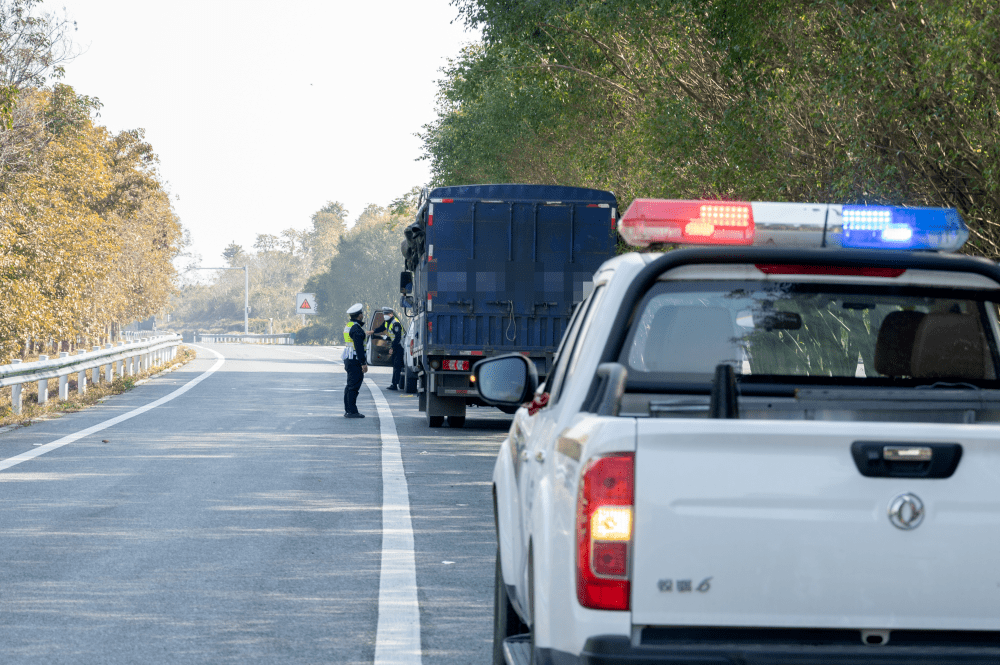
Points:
(319, 333)
(826, 100)
(366, 269)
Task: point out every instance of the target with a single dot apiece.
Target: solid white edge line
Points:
(397, 635)
(66, 440)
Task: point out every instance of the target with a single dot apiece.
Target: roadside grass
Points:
(31, 410)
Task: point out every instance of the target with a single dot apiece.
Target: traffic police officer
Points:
(390, 326)
(354, 360)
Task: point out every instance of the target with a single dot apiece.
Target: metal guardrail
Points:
(122, 359)
(134, 335)
(284, 338)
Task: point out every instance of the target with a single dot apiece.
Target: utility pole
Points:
(246, 294)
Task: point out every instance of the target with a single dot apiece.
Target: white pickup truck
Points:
(780, 448)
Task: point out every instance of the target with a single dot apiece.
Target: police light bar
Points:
(649, 221)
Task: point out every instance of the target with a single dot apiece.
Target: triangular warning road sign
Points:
(305, 305)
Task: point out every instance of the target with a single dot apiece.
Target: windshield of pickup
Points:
(812, 333)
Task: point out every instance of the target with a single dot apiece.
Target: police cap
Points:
(355, 309)
(387, 310)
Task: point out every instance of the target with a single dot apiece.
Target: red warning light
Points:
(649, 221)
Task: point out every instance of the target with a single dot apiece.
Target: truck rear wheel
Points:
(456, 421)
(434, 421)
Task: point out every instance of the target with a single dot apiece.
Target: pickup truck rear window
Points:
(803, 331)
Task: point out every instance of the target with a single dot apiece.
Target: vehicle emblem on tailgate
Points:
(906, 511)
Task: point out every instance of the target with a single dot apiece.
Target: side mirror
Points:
(508, 380)
(405, 282)
(407, 305)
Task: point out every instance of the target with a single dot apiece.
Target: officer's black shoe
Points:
(392, 388)
(354, 415)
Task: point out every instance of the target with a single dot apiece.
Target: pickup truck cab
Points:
(780, 448)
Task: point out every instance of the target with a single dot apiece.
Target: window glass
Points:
(584, 327)
(565, 347)
(797, 330)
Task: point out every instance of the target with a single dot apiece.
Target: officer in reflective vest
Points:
(354, 359)
(394, 331)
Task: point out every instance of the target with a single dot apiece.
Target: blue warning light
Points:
(895, 227)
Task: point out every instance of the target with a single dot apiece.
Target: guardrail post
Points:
(81, 378)
(95, 373)
(64, 381)
(109, 368)
(15, 393)
(43, 386)
(120, 364)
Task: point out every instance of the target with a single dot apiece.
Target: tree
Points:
(88, 234)
(328, 226)
(33, 46)
(232, 253)
(758, 100)
(266, 242)
(366, 266)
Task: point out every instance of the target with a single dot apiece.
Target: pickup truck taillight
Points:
(604, 532)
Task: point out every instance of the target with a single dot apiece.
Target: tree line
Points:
(866, 101)
(87, 230)
(341, 264)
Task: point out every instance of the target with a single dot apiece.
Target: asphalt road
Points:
(241, 521)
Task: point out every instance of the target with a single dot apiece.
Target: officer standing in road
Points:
(390, 326)
(354, 359)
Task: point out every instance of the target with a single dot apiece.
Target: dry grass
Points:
(32, 410)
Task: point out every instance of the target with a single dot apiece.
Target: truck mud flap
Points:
(445, 406)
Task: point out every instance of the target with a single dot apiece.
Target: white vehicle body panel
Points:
(412, 344)
(791, 534)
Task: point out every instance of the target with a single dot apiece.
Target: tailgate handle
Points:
(907, 453)
(879, 459)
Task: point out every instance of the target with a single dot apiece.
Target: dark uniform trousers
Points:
(354, 378)
(397, 365)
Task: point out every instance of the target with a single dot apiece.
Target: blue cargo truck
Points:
(494, 269)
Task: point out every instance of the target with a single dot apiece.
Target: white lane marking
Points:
(66, 440)
(397, 637)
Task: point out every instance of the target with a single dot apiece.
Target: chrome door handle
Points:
(540, 456)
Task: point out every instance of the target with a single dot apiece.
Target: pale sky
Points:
(262, 111)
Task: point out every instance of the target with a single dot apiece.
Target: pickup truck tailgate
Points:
(771, 523)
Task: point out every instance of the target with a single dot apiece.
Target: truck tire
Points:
(506, 622)
(410, 381)
(456, 421)
(434, 421)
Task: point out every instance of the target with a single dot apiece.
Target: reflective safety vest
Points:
(388, 330)
(349, 352)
